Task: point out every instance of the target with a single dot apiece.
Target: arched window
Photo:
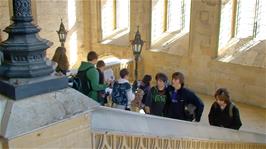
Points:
(114, 17)
(169, 16)
(241, 21)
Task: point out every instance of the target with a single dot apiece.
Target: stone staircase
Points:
(68, 119)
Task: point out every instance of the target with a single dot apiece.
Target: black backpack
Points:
(81, 83)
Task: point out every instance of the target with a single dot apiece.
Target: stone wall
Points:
(203, 72)
(71, 12)
(72, 133)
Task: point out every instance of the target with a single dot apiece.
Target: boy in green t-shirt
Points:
(157, 96)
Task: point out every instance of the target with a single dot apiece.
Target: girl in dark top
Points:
(145, 86)
(61, 59)
(183, 104)
(223, 112)
(157, 96)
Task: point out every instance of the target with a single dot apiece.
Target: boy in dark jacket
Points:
(101, 94)
(100, 68)
(156, 98)
(183, 103)
(223, 112)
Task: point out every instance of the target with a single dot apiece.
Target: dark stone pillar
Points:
(25, 70)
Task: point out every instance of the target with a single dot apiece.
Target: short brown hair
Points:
(92, 55)
(100, 64)
(223, 95)
(180, 77)
(123, 73)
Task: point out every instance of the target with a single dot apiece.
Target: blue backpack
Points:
(119, 93)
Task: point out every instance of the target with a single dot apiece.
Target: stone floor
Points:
(253, 118)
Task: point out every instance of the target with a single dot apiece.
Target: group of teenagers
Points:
(172, 100)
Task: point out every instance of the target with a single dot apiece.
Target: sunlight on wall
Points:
(249, 22)
(249, 45)
(73, 49)
(114, 16)
(122, 14)
(225, 25)
(169, 16)
(73, 33)
(71, 13)
(245, 18)
(261, 35)
(124, 63)
(107, 17)
(157, 18)
(227, 58)
(112, 60)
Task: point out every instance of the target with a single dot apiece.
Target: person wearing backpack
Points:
(183, 104)
(223, 112)
(91, 79)
(122, 93)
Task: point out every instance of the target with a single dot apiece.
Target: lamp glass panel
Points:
(61, 36)
(135, 48)
(139, 47)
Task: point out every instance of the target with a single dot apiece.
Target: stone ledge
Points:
(130, 123)
(23, 116)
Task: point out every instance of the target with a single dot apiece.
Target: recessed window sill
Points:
(176, 43)
(246, 51)
(118, 37)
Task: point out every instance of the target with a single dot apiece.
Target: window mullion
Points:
(237, 18)
(255, 27)
(235, 14)
(165, 17)
(182, 14)
(115, 14)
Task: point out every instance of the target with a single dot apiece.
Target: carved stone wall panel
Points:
(204, 16)
(106, 141)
